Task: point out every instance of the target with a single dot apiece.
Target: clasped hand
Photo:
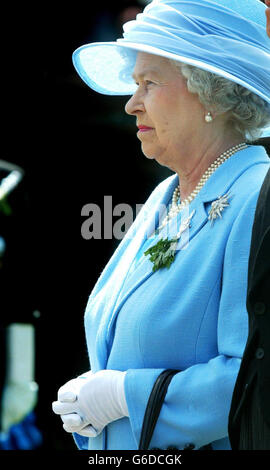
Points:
(91, 401)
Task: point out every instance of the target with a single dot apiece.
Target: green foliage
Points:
(162, 254)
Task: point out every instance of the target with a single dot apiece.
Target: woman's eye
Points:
(145, 83)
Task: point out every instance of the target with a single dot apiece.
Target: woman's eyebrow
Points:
(145, 72)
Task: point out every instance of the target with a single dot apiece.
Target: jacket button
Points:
(259, 308)
(190, 446)
(259, 353)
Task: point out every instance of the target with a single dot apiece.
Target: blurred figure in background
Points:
(18, 390)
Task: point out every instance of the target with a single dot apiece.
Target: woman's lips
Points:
(144, 128)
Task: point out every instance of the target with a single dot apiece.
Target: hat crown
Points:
(251, 10)
(243, 18)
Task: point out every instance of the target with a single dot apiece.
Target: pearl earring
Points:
(208, 117)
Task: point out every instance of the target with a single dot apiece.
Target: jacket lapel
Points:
(144, 268)
(108, 288)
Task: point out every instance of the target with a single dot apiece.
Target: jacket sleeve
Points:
(197, 403)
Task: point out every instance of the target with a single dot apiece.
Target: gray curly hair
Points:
(248, 114)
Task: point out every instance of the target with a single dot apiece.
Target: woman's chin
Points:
(149, 156)
(152, 156)
(147, 153)
(150, 151)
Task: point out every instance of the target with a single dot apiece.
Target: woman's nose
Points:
(134, 104)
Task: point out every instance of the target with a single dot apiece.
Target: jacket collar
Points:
(224, 177)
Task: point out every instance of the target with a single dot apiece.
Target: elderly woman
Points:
(173, 294)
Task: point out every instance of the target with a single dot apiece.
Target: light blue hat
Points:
(226, 37)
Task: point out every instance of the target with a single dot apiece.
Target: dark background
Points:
(75, 146)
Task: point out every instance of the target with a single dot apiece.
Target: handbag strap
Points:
(154, 405)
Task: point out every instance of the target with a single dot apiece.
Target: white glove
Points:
(91, 401)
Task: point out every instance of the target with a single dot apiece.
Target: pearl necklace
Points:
(176, 207)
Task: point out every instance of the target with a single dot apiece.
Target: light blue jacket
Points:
(191, 316)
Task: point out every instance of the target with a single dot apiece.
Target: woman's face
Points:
(171, 116)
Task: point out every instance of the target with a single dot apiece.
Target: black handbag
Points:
(154, 405)
(153, 408)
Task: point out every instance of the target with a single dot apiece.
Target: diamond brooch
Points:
(217, 207)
